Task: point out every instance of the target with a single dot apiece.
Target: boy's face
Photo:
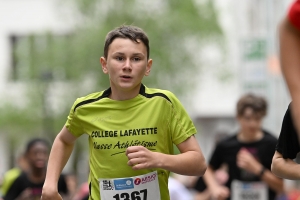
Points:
(250, 122)
(126, 64)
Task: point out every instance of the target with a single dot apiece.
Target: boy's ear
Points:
(148, 68)
(104, 65)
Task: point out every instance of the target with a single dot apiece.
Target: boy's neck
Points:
(120, 95)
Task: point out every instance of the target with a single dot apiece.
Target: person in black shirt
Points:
(248, 155)
(287, 148)
(28, 185)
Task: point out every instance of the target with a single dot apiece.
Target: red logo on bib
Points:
(137, 181)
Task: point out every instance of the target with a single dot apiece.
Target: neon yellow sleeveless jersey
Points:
(154, 119)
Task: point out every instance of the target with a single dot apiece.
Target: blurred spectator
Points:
(28, 185)
(10, 176)
(248, 155)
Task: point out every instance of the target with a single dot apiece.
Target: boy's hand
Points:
(49, 194)
(140, 157)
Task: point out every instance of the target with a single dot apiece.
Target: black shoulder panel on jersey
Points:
(106, 93)
(143, 92)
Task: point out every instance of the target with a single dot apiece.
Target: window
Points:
(41, 57)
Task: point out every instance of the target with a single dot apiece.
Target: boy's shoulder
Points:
(90, 98)
(94, 95)
(157, 90)
(152, 92)
(144, 91)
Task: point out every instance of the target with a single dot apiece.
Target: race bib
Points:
(248, 190)
(144, 187)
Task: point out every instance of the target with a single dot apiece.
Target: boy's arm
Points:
(60, 152)
(189, 162)
(285, 168)
(290, 63)
(217, 191)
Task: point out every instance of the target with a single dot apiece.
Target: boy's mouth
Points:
(125, 76)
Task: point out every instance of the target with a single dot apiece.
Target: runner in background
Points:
(11, 175)
(248, 156)
(28, 185)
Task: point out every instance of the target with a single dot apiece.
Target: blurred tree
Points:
(177, 31)
(59, 68)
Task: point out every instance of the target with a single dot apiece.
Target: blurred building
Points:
(250, 64)
(22, 18)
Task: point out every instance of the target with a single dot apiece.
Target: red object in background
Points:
(294, 14)
(293, 195)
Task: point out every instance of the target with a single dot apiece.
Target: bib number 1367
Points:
(135, 195)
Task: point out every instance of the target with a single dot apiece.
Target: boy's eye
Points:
(136, 59)
(119, 58)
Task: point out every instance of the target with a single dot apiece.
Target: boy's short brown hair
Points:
(257, 103)
(126, 31)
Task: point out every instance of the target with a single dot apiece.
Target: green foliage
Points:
(169, 25)
(16, 121)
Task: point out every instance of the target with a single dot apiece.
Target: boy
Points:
(131, 129)
(247, 155)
